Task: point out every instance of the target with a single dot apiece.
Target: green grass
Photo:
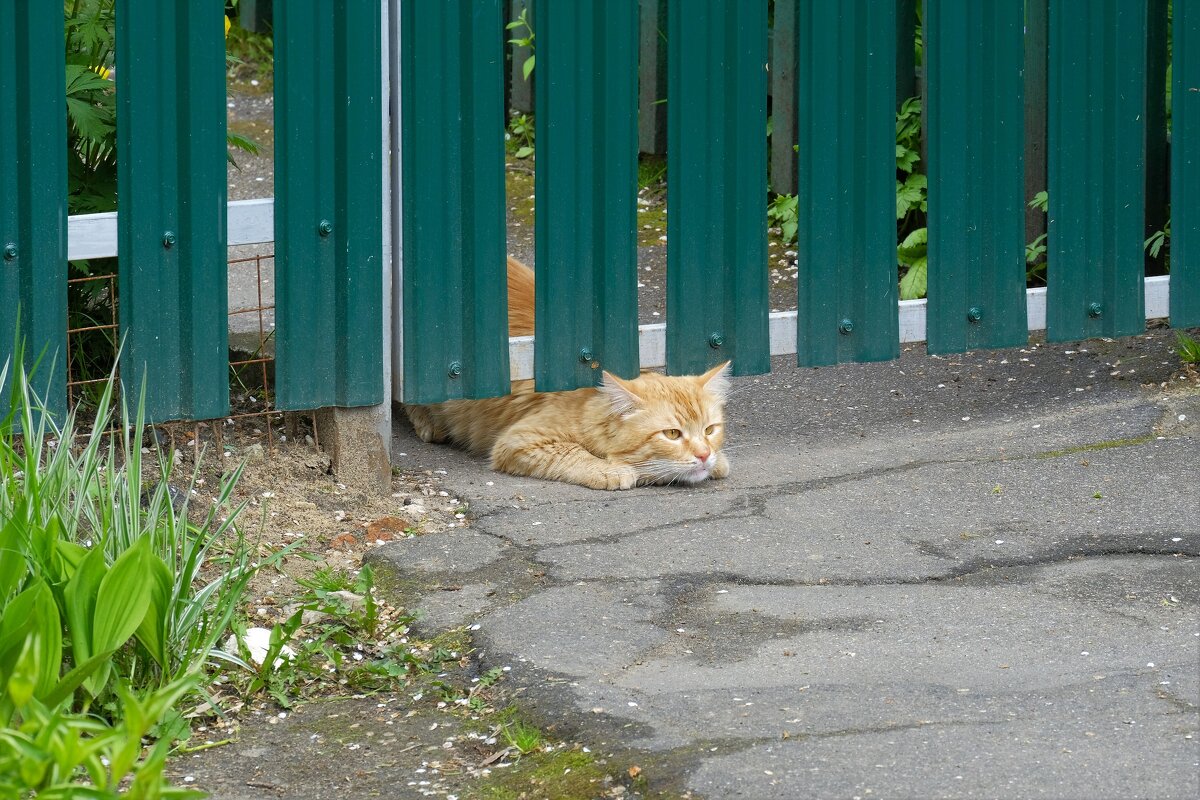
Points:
(1187, 348)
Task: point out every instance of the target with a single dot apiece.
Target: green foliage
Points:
(523, 40)
(1187, 348)
(782, 212)
(912, 201)
(340, 636)
(91, 107)
(53, 753)
(100, 571)
(913, 253)
(522, 737)
(1158, 240)
(1035, 251)
(520, 135)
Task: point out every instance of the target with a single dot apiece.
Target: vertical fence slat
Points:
(33, 195)
(172, 195)
(847, 278)
(1096, 168)
(329, 204)
(452, 167)
(586, 185)
(973, 55)
(1185, 166)
(716, 186)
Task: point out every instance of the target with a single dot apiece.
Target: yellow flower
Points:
(227, 26)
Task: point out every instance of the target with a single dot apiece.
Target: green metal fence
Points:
(1103, 65)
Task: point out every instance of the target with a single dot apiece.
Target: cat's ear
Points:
(620, 394)
(716, 380)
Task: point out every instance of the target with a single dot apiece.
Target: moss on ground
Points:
(558, 775)
(1107, 445)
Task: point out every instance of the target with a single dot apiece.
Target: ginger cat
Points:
(651, 429)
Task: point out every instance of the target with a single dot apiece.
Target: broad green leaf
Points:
(81, 79)
(122, 599)
(48, 631)
(13, 566)
(80, 596)
(16, 622)
(73, 679)
(22, 682)
(913, 284)
(152, 633)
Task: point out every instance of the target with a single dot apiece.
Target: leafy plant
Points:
(99, 564)
(1187, 348)
(522, 737)
(913, 253)
(1157, 240)
(783, 212)
(912, 201)
(526, 40)
(53, 753)
(521, 134)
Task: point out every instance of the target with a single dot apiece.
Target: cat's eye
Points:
(672, 433)
(710, 430)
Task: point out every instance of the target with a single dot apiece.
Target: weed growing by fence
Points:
(112, 600)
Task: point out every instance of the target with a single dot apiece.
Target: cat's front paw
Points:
(620, 477)
(720, 468)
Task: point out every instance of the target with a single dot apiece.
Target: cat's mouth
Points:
(690, 475)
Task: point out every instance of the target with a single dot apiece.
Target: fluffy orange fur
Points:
(650, 429)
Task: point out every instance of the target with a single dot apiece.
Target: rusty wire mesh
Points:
(251, 371)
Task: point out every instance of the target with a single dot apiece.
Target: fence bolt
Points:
(1095, 310)
(975, 313)
(846, 326)
(715, 340)
(585, 354)
(325, 227)
(168, 240)
(455, 369)
(10, 252)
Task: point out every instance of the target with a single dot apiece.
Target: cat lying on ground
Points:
(622, 433)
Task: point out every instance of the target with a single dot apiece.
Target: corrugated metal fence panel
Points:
(847, 278)
(586, 188)
(716, 182)
(1096, 168)
(1185, 167)
(33, 194)
(974, 55)
(172, 193)
(329, 204)
(452, 151)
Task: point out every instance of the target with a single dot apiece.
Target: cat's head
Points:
(672, 428)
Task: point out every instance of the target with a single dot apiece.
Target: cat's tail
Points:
(520, 299)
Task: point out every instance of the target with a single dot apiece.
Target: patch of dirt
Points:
(438, 733)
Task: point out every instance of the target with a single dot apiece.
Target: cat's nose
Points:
(702, 455)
